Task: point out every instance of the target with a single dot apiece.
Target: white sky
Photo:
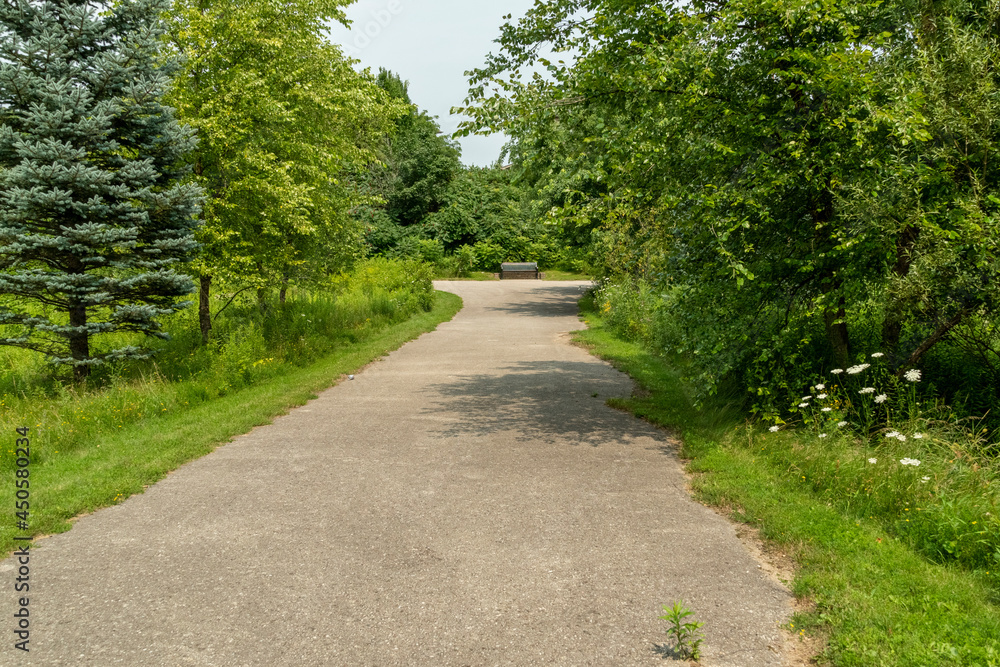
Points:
(431, 43)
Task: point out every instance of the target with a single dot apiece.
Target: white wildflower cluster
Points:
(837, 371)
(872, 460)
(892, 434)
(877, 355)
(841, 424)
(822, 435)
(774, 429)
(854, 370)
(820, 387)
(924, 480)
(910, 462)
(881, 398)
(821, 396)
(912, 375)
(918, 436)
(806, 398)
(867, 390)
(803, 405)
(826, 409)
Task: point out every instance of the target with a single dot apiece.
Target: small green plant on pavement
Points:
(687, 640)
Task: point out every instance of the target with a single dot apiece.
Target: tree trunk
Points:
(204, 307)
(284, 288)
(261, 292)
(938, 334)
(892, 325)
(79, 342)
(836, 333)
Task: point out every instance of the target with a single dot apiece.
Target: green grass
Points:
(877, 601)
(553, 274)
(92, 450)
(472, 275)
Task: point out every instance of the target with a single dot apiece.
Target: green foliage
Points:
(94, 223)
(687, 640)
(416, 163)
(771, 169)
(281, 115)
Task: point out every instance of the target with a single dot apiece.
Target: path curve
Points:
(468, 500)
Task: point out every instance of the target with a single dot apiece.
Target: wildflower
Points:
(881, 398)
(854, 370)
(803, 405)
(924, 480)
(841, 424)
(806, 398)
(901, 437)
(774, 429)
(867, 390)
(912, 375)
(918, 436)
(872, 460)
(826, 409)
(837, 371)
(821, 396)
(822, 435)
(910, 462)
(892, 434)
(821, 387)
(876, 355)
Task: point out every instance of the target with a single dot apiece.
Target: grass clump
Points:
(880, 597)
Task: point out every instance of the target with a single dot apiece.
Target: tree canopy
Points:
(801, 181)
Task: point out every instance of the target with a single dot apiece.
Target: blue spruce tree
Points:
(95, 220)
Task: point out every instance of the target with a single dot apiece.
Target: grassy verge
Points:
(877, 602)
(552, 274)
(117, 461)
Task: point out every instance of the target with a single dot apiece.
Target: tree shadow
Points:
(546, 401)
(552, 301)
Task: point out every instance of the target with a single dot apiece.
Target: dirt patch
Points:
(797, 649)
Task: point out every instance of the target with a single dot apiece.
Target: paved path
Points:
(466, 501)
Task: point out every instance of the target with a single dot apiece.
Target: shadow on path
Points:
(554, 301)
(547, 401)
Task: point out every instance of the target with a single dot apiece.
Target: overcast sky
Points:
(431, 43)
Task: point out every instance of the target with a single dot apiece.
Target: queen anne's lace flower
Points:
(876, 355)
(774, 429)
(822, 435)
(803, 405)
(854, 370)
(820, 387)
(841, 424)
(912, 375)
(821, 396)
(918, 436)
(910, 462)
(867, 390)
(901, 437)
(924, 480)
(826, 409)
(872, 460)
(806, 398)
(881, 398)
(892, 434)
(837, 371)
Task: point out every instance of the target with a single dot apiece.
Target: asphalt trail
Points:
(468, 500)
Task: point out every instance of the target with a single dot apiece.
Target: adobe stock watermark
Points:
(371, 28)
